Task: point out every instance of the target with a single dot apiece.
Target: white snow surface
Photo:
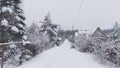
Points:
(62, 57)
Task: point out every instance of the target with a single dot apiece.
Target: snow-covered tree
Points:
(116, 33)
(12, 28)
(113, 33)
(34, 28)
(116, 26)
(45, 36)
(107, 53)
(84, 43)
(40, 40)
(11, 21)
(49, 28)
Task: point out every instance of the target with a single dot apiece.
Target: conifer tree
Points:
(50, 29)
(116, 31)
(13, 28)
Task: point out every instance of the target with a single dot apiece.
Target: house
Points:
(99, 35)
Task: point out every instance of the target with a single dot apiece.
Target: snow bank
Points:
(62, 57)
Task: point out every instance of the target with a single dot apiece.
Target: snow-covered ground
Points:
(62, 57)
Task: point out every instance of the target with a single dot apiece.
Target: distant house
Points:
(99, 35)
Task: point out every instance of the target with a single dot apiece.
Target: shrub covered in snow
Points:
(44, 36)
(83, 43)
(107, 52)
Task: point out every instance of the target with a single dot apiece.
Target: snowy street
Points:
(62, 57)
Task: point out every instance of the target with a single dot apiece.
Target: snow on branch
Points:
(14, 28)
(4, 9)
(4, 22)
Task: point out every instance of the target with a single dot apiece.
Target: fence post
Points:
(3, 45)
(2, 56)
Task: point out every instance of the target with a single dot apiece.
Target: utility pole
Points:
(73, 37)
(73, 32)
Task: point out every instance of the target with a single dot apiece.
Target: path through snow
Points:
(62, 57)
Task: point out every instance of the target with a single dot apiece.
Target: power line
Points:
(81, 4)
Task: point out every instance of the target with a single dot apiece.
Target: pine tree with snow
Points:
(11, 21)
(34, 28)
(12, 28)
(49, 28)
(116, 26)
(116, 31)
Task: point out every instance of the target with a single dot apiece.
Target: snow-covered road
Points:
(62, 57)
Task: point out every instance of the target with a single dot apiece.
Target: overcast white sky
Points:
(93, 13)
